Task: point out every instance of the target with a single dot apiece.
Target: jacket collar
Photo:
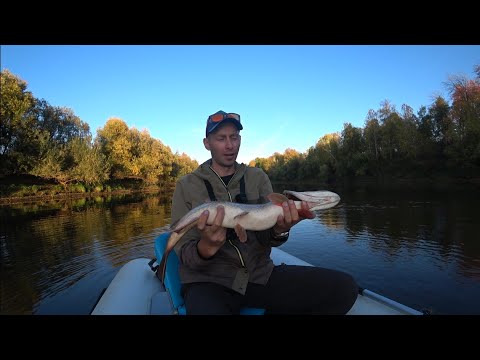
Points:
(205, 172)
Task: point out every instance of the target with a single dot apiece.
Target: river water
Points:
(419, 248)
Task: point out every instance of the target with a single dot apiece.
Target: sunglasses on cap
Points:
(222, 116)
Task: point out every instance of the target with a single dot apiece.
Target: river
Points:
(419, 248)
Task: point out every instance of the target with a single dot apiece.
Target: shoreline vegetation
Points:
(28, 189)
(14, 200)
(36, 190)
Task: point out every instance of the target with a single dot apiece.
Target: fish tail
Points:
(172, 240)
(180, 224)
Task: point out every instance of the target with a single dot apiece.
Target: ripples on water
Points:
(423, 251)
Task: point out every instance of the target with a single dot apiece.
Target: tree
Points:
(465, 145)
(115, 143)
(372, 134)
(321, 160)
(386, 110)
(409, 139)
(182, 165)
(441, 125)
(353, 158)
(15, 122)
(88, 164)
(61, 123)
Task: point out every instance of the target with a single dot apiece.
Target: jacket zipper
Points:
(230, 197)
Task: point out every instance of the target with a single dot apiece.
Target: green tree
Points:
(373, 138)
(15, 120)
(87, 163)
(293, 163)
(409, 139)
(61, 124)
(52, 165)
(353, 158)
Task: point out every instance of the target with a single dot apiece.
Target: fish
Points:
(254, 217)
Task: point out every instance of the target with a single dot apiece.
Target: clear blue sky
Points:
(287, 96)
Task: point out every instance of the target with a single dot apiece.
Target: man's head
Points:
(223, 138)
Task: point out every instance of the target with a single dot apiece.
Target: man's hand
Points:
(291, 217)
(212, 237)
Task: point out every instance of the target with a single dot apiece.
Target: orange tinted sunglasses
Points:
(220, 117)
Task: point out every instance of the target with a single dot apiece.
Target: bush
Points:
(77, 188)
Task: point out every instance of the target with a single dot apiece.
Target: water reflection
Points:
(47, 248)
(445, 228)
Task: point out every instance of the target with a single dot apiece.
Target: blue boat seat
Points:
(172, 279)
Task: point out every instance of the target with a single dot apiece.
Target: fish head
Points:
(316, 200)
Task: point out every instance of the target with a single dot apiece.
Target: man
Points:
(222, 269)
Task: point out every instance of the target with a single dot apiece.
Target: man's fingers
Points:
(220, 215)
(293, 211)
(202, 220)
(287, 217)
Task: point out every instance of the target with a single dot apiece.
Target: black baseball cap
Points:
(219, 117)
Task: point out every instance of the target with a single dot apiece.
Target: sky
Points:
(288, 96)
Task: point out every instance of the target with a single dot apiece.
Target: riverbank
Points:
(29, 189)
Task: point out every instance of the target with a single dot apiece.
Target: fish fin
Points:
(277, 198)
(241, 214)
(241, 233)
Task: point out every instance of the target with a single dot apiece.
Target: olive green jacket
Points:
(235, 263)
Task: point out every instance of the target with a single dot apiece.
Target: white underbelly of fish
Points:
(254, 220)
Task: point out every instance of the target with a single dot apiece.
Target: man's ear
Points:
(206, 144)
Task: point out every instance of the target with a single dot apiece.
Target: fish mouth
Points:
(316, 200)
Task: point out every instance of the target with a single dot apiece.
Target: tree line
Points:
(51, 142)
(442, 139)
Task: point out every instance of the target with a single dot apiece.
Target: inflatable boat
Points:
(136, 290)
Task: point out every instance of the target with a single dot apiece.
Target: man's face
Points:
(224, 144)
